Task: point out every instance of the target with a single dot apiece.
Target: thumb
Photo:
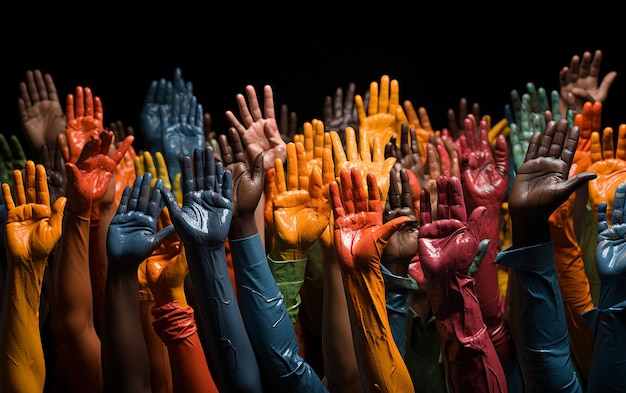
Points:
(475, 220)
(258, 169)
(163, 234)
(391, 227)
(576, 181)
(56, 218)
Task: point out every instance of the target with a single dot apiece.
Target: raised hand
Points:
(484, 172)
(384, 112)
(33, 227)
(447, 250)
(53, 161)
(183, 131)
(402, 245)
(456, 119)
(12, 157)
(41, 114)
(84, 120)
(360, 239)
(420, 122)
(301, 212)
(132, 234)
(365, 157)
(89, 178)
(155, 164)
(340, 111)
(407, 153)
(447, 244)
(581, 79)
(542, 183)
(206, 213)
(161, 94)
(609, 162)
(287, 123)
(259, 130)
(248, 181)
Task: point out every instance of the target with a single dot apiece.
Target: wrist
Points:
(288, 254)
(242, 227)
(163, 296)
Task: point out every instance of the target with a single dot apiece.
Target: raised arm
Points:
(541, 185)
(33, 228)
(203, 223)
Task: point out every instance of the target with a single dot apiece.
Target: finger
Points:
(383, 101)
(352, 151)
(372, 108)
(443, 202)
(211, 177)
(30, 184)
(187, 172)
(373, 194)
(338, 151)
(620, 152)
(143, 201)
(8, 198)
(268, 101)
(608, 152)
(618, 204)
(347, 191)
(456, 200)
(279, 176)
(596, 146)
(302, 168)
(43, 194)
(56, 218)
(360, 199)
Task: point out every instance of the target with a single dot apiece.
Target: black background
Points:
(438, 52)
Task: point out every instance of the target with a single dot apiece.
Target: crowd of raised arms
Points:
(361, 251)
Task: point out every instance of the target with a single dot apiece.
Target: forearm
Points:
(575, 291)
(607, 364)
(375, 348)
(340, 365)
(160, 370)
(271, 332)
(176, 327)
(289, 276)
(125, 363)
(72, 308)
(488, 288)
(397, 289)
(469, 355)
(538, 324)
(22, 366)
(228, 345)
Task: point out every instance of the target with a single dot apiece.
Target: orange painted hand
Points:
(89, 178)
(610, 165)
(384, 112)
(360, 235)
(315, 140)
(362, 157)
(301, 212)
(33, 227)
(84, 120)
(420, 122)
(166, 267)
(589, 122)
